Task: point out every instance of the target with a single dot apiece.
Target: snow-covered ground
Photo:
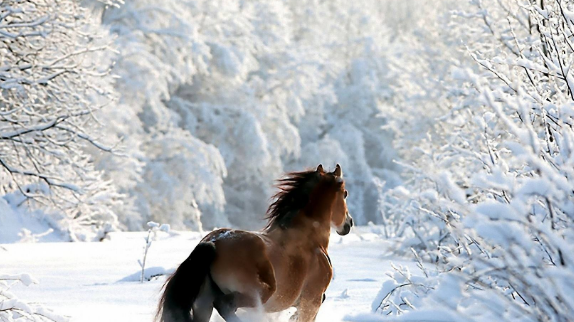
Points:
(83, 280)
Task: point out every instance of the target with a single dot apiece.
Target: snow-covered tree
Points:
(159, 48)
(256, 80)
(240, 105)
(490, 196)
(54, 77)
(353, 63)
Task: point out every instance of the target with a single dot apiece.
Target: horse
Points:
(282, 266)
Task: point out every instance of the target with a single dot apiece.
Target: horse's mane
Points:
(293, 195)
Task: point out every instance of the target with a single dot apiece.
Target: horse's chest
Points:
(295, 275)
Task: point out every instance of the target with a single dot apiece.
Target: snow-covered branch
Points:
(13, 309)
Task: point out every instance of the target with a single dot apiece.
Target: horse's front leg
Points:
(313, 293)
(308, 306)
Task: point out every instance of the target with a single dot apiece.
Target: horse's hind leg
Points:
(226, 306)
(202, 311)
(203, 305)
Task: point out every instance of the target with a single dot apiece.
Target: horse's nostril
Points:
(345, 229)
(351, 221)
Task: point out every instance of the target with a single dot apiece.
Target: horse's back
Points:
(242, 265)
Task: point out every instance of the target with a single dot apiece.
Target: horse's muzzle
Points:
(346, 228)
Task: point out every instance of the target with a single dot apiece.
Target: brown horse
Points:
(284, 265)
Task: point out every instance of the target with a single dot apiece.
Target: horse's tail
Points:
(182, 288)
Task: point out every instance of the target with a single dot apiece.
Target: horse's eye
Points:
(346, 193)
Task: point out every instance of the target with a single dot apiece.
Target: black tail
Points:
(182, 288)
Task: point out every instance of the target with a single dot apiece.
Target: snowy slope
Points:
(14, 221)
(82, 280)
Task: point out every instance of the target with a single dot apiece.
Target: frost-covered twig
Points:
(153, 229)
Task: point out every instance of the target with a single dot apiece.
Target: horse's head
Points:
(307, 190)
(340, 218)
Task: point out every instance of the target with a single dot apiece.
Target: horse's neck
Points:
(305, 231)
(318, 231)
(317, 217)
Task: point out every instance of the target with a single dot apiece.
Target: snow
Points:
(17, 224)
(149, 274)
(100, 281)
(152, 224)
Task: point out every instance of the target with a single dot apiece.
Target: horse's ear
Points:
(320, 169)
(338, 171)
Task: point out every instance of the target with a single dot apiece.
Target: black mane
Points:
(293, 195)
